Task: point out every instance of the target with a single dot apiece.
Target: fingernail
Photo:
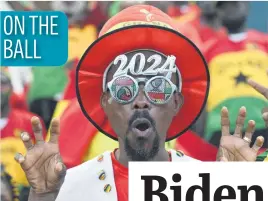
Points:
(35, 119)
(17, 155)
(25, 136)
(252, 122)
(265, 115)
(243, 108)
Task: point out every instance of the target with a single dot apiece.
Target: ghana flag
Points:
(231, 63)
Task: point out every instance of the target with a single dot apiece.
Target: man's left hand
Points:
(236, 147)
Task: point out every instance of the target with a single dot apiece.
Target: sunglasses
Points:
(158, 90)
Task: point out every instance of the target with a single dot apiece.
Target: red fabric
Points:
(18, 102)
(190, 62)
(19, 121)
(191, 16)
(196, 147)
(97, 16)
(70, 91)
(121, 178)
(224, 44)
(76, 133)
(207, 33)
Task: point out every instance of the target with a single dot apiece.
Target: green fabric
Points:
(253, 105)
(47, 82)
(114, 8)
(263, 156)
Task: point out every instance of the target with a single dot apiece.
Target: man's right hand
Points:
(42, 164)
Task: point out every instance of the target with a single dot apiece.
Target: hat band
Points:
(133, 23)
(155, 64)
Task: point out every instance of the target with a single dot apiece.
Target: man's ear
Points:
(104, 100)
(178, 102)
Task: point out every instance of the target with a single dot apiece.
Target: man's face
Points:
(6, 89)
(141, 125)
(233, 13)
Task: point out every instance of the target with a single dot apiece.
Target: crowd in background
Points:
(233, 52)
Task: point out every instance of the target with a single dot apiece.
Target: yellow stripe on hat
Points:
(133, 23)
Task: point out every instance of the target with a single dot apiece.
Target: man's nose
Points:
(141, 102)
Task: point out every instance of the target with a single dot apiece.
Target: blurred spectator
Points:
(20, 79)
(12, 123)
(233, 60)
(184, 12)
(8, 191)
(209, 27)
(206, 28)
(45, 91)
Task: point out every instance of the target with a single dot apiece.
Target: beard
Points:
(141, 152)
(234, 25)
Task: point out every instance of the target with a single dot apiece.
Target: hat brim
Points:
(190, 61)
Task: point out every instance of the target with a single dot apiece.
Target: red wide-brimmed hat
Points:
(142, 27)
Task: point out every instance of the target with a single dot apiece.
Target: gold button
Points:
(100, 158)
(102, 175)
(107, 188)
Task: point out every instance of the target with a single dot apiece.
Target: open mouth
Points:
(141, 127)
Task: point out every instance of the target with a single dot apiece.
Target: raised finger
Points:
(240, 122)
(54, 130)
(19, 158)
(37, 129)
(261, 89)
(60, 169)
(265, 118)
(225, 122)
(249, 132)
(25, 137)
(258, 143)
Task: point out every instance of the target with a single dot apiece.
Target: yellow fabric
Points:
(186, 18)
(102, 143)
(230, 65)
(9, 146)
(79, 40)
(131, 23)
(61, 106)
(266, 159)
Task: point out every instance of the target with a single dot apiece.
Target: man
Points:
(232, 60)
(12, 123)
(142, 79)
(264, 91)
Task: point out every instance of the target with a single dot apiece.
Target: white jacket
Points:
(82, 183)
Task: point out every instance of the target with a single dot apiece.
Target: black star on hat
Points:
(241, 78)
